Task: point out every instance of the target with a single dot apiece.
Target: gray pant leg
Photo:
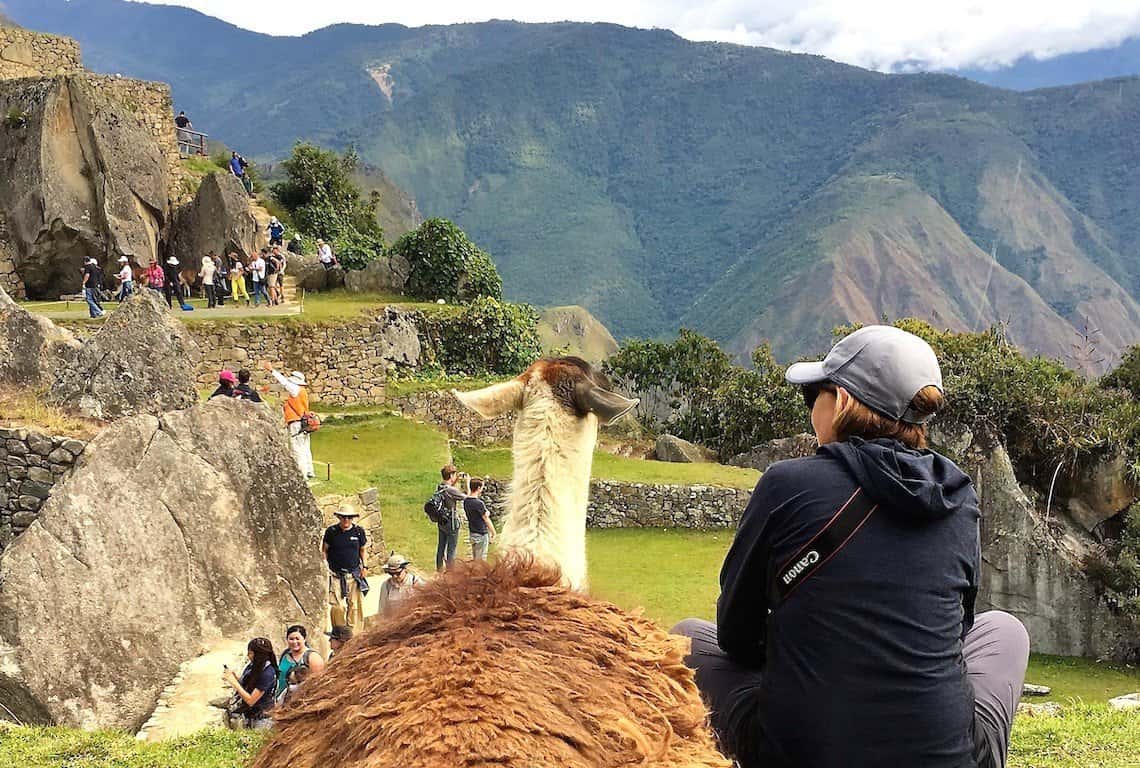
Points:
(727, 688)
(996, 650)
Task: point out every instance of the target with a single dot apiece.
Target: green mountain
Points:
(745, 192)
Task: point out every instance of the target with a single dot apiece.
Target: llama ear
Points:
(494, 400)
(607, 406)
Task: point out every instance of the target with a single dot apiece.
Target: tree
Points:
(445, 264)
(324, 202)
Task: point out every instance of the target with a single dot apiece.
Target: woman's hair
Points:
(858, 420)
(298, 629)
(262, 650)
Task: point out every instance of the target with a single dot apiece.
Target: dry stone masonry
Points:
(30, 465)
(24, 53)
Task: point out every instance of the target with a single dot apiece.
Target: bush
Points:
(323, 202)
(692, 389)
(445, 264)
(1126, 376)
(486, 336)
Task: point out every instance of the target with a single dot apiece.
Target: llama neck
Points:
(546, 513)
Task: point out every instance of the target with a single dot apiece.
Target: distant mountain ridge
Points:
(747, 193)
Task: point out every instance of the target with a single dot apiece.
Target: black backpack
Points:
(435, 509)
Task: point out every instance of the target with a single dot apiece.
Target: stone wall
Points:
(10, 280)
(30, 465)
(443, 410)
(24, 53)
(616, 504)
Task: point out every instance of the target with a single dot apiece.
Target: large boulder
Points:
(311, 275)
(218, 219)
(141, 361)
(673, 448)
(1100, 491)
(33, 350)
(170, 534)
(766, 454)
(80, 176)
(387, 274)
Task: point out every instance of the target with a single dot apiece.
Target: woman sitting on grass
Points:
(845, 631)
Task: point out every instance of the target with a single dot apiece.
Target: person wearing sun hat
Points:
(227, 382)
(344, 547)
(847, 597)
(172, 284)
(398, 584)
(126, 278)
(296, 406)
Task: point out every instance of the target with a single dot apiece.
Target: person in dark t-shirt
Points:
(479, 524)
(344, 549)
(182, 121)
(243, 390)
(256, 686)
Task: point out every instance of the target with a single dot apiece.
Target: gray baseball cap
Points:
(882, 366)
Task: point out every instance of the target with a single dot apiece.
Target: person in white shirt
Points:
(325, 254)
(207, 275)
(126, 279)
(257, 274)
(237, 280)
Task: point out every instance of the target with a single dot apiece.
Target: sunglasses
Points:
(810, 393)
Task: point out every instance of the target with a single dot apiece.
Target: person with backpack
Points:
(254, 691)
(276, 231)
(441, 509)
(299, 420)
(343, 546)
(297, 655)
(845, 631)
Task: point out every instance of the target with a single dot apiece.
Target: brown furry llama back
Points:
(500, 665)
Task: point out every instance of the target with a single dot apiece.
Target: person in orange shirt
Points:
(296, 405)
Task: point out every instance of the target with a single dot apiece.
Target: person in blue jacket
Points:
(845, 633)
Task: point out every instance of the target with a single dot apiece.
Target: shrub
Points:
(356, 249)
(1126, 376)
(445, 264)
(483, 337)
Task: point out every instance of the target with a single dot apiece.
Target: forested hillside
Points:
(745, 192)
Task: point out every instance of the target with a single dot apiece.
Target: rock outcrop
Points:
(311, 274)
(33, 351)
(1032, 567)
(169, 534)
(218, 219)
(673, 448)
(81, 175)
(141, 361)
(387, 274)
(766, 454)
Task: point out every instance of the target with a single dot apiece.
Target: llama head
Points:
(571, 382)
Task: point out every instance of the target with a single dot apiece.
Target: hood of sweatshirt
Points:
(919, 485)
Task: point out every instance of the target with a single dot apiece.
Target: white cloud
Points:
(880, 34)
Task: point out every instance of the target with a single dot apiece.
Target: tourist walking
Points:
(297, 654)
(343, 547)
(449, 523)
(398, 584)
(172, 285)
(276, 231)
(154, 277)
(847, 597)
(272, 265)
(221, 278)
(255, 689)
(479, 525)
(296, 406)
(93, 287)
(207, 276)
(243, 390)
(237, 280)
(257, 277)
(126, 279)
(226, 385)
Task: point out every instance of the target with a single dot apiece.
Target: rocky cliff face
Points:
(33, 351)
(81, 175)
(170, 533)
(218, 219)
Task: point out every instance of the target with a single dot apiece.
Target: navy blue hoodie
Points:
(862, 664)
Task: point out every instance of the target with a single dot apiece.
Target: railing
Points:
(191, 142)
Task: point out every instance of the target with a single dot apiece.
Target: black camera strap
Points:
(826, 544)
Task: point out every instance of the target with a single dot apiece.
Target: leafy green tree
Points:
(485, 336)
(1126, 375)
(323, 201)
(445, 264)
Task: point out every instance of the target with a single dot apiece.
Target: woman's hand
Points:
(229, 677)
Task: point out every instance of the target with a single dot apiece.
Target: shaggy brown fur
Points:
(500, 665)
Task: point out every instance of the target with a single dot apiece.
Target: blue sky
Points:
(878, 34)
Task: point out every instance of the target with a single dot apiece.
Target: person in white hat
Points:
(126, 279)
(296, 409)
(847, 597)
(172, 284)
(399, 583)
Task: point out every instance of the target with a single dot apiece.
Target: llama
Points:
(509, 664)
